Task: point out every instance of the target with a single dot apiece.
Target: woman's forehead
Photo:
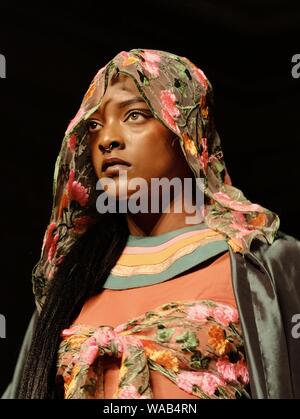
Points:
(122, 93)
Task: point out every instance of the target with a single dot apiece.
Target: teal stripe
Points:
(148, 241)
(198, 256)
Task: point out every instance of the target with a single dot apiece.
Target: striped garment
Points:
(148, 260)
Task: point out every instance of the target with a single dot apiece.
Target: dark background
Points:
(52, 53)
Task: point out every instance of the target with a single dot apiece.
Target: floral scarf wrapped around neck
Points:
(180, 96)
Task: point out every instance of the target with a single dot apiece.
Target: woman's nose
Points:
(113, 143)
(110, 138)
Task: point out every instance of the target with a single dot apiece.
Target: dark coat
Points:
(266, 284)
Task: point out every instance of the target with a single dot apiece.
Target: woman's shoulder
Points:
(281, 258)
(284, 245)
(282, 237)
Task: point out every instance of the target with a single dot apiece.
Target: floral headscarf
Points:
(180, 96)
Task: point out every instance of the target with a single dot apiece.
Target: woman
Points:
(155, 305)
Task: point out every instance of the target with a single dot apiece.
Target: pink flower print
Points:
(238, 217)
(51, 273)
(242, 371)
(76, 191)
(207, 382)
(152, 68)
(71, 331)
(238, 206)
(48, 238)
(53, 248)
(151, 56)
(170, 121)
(168, 100)
(130, 392)
(128, 59)
(124, 54)
(72, 142)
(150, 64)
(103, 337)
(200, 76)
(120, 328)
(75, 120)
(170, 111)
(226, 369)
(89, 351)
(225, 314)
(53, 267)
(184, 381)
(231, 372)
(210, 383)
(240, 225)
(199, 312)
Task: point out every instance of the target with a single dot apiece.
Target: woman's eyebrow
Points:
(131, 102)
(123, 104)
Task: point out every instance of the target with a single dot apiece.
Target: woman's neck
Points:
(152, 224)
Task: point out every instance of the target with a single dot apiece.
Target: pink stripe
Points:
(129, 250)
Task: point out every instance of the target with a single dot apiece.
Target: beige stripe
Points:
(123, 270)
(162, 255)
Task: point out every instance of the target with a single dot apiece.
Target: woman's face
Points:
(125, 122)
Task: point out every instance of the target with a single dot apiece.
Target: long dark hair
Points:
(80, 276)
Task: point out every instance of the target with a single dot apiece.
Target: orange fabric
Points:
(112, 307)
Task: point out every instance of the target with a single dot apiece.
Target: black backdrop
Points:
(245, 48)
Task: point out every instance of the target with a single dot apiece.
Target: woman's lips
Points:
(113, 165)
(115, 169)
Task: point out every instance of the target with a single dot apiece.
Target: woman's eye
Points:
(93, 126)
(136, 116)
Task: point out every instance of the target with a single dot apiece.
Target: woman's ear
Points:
(174, 138)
